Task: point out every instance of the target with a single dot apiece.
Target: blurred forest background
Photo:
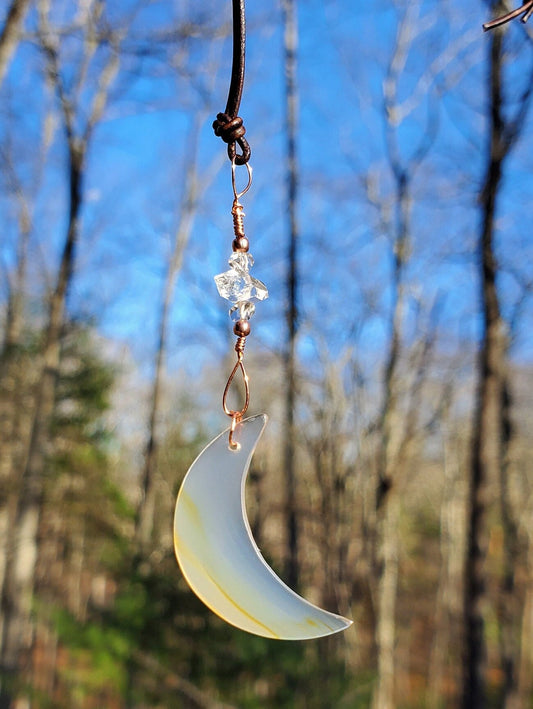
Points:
(393, 158)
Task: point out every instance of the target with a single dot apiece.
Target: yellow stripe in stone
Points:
(240, 609)
(192, 510)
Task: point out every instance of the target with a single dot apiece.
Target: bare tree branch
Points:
(11, 32)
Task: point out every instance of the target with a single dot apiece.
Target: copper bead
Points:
(241, 243)
(242, 328)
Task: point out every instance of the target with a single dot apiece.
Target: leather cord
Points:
(228, 125)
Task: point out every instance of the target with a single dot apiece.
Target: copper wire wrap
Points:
(240, 244)
(239, 347)
(238, 218)
(236, 415)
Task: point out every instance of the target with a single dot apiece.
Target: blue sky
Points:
(139, 153)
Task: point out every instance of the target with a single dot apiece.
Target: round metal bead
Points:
(242, 328)
(241, 243)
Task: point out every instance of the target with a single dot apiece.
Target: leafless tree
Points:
(17, 593)
(396, 432)
(10, 35)
(291, 102)
(489, 425)
(193, 188)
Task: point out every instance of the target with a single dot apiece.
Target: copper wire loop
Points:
(236, 416)
(238, 366)
(234, 445)
(238, 195)
(239, 347)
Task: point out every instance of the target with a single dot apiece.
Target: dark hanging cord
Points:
(526, 10)
(229, 125)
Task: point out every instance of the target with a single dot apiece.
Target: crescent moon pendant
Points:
(219, 557)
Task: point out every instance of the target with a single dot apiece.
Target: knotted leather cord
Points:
(229, 125)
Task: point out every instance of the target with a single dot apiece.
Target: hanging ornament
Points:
(212, 538)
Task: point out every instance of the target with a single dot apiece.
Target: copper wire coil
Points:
(238, 219)
(239, 346)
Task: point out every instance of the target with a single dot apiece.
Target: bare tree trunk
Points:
(9, 373)
(52, 574)
(76, 598)
(144, 522)
(386, 559)
(16, 296)
(391, 433)
(448, 619)
(508, 601)
(389, 464)
(10, 33)
(17, 631)
(17, 635)
(10, 385)
(490, 409)
(485, 467)
(17, 381)
(522, 692)
(386, 602)
(292, 569)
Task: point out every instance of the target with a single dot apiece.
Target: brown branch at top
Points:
(526, 10)
(9, 35)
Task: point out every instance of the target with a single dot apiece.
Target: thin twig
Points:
(526, 10)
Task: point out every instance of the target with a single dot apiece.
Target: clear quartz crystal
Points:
(259, 290)
(237, 286)
(233, 286)
(242, 311)
(241, 262)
